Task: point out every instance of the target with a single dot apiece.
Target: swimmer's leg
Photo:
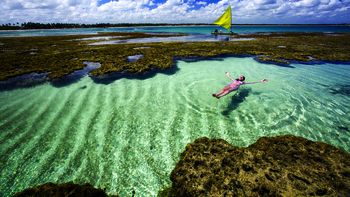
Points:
(227, 92)
(223, 92)
(219, 93)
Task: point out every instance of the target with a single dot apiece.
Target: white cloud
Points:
(201, 3)
(173, 11)
(264, 2)
(307, 3)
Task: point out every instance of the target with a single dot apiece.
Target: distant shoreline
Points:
(6, 27)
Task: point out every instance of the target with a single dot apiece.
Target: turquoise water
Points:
(241, 29)
(128, 135)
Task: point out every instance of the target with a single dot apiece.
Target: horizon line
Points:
(18, 23)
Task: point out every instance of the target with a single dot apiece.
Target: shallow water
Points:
(128, 135)
(191, 38)
(240, 29)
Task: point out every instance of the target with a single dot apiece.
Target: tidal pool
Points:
(190, 38)
(128, 135)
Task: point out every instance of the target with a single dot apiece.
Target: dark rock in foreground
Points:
(66, 189)
(273, 166)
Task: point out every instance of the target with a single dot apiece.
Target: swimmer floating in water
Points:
(234, 85)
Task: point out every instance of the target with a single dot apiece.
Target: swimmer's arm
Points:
(262, 81)
(229, 76)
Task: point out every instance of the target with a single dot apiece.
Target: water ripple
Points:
(127, 136)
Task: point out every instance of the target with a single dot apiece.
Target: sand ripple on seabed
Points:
(127, 135)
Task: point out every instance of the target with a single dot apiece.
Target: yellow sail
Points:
(225, 20)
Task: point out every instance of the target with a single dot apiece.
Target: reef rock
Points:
(273, 166)
(65, 189)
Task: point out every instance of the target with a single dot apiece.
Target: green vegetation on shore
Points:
(61, 55)
(32, 25)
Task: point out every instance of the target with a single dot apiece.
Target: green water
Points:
(128, 135)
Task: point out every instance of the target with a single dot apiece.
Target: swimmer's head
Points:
(241, 78)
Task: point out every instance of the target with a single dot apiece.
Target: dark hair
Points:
(243, 78)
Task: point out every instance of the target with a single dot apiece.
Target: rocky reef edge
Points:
(273, 166)
(65, 189)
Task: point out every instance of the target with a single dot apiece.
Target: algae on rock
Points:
(273, 166)
(62, 55)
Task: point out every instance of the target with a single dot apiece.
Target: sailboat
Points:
(225, 21)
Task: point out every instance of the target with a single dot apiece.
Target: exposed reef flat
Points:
(62, 55)
(273, 166)
(65, 189)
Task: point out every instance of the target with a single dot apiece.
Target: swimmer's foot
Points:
(214, 95)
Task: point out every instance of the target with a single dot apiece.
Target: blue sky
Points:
(175, 11)
(158, 1)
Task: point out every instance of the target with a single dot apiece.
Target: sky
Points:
(175, 11)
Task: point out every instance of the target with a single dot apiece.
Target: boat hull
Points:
(224, 33)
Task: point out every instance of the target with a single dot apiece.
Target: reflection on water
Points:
(99, 38)
(343, 89)
(76, 75)
(23, 81)
(134, 58)
(34, 79)
(190, 38)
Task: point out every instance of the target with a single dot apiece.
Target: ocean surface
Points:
(127, 135)
(240, 29)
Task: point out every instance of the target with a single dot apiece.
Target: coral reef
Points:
(65, 189)
(273, 166)
(62, 55)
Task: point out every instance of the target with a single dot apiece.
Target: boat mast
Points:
(230, 19)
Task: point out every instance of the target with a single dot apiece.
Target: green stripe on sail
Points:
(225, 20)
